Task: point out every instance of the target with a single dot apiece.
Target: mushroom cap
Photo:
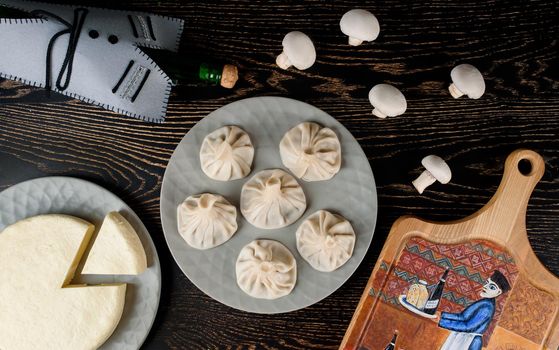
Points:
(360, 24)
(438, 168)
(388, 100)
(469, 80)
(299, 49)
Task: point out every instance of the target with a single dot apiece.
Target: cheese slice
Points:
(38, 309)
(117, 249)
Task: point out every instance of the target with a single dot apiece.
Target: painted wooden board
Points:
(497, 295)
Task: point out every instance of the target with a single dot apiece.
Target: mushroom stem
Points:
(354, 41)
(283, 61)
(424, 180)
(454, 91)
(379, 113)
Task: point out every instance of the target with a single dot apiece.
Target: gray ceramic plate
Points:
(66, 195)
(351, 193)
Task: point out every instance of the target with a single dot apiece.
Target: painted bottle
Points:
(392, 344)
(434, 299)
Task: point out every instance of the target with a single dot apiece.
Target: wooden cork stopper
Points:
(230, 76)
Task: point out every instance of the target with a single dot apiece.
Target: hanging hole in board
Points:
(525, 167)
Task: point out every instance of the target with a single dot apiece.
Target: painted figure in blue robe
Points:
(469, 325)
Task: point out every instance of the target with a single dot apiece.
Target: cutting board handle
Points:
(504, 215)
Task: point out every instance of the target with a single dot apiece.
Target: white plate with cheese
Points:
(90, 202)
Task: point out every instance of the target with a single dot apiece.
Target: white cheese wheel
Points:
(39, 310)
(117, 249)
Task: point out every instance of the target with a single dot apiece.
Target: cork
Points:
(229, 76)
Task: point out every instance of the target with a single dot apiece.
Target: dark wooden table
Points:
(513, 44)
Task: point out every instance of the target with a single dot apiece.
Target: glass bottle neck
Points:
(210, 74)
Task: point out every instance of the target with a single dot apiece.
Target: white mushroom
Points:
(298, 51)
(359, 25)
(436, 169)
(466, 80)
(387, 100)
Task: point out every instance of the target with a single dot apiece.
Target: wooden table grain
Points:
(514, 44)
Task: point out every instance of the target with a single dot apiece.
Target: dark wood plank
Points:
(513, 43)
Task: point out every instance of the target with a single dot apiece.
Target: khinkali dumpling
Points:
(325, 240)
(266, 269)
(227, 154)
(311, 152)
(206, 220)
(272, 199)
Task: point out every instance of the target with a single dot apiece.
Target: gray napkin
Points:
(106, 69)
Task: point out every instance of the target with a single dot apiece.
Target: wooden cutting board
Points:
(472, 249)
